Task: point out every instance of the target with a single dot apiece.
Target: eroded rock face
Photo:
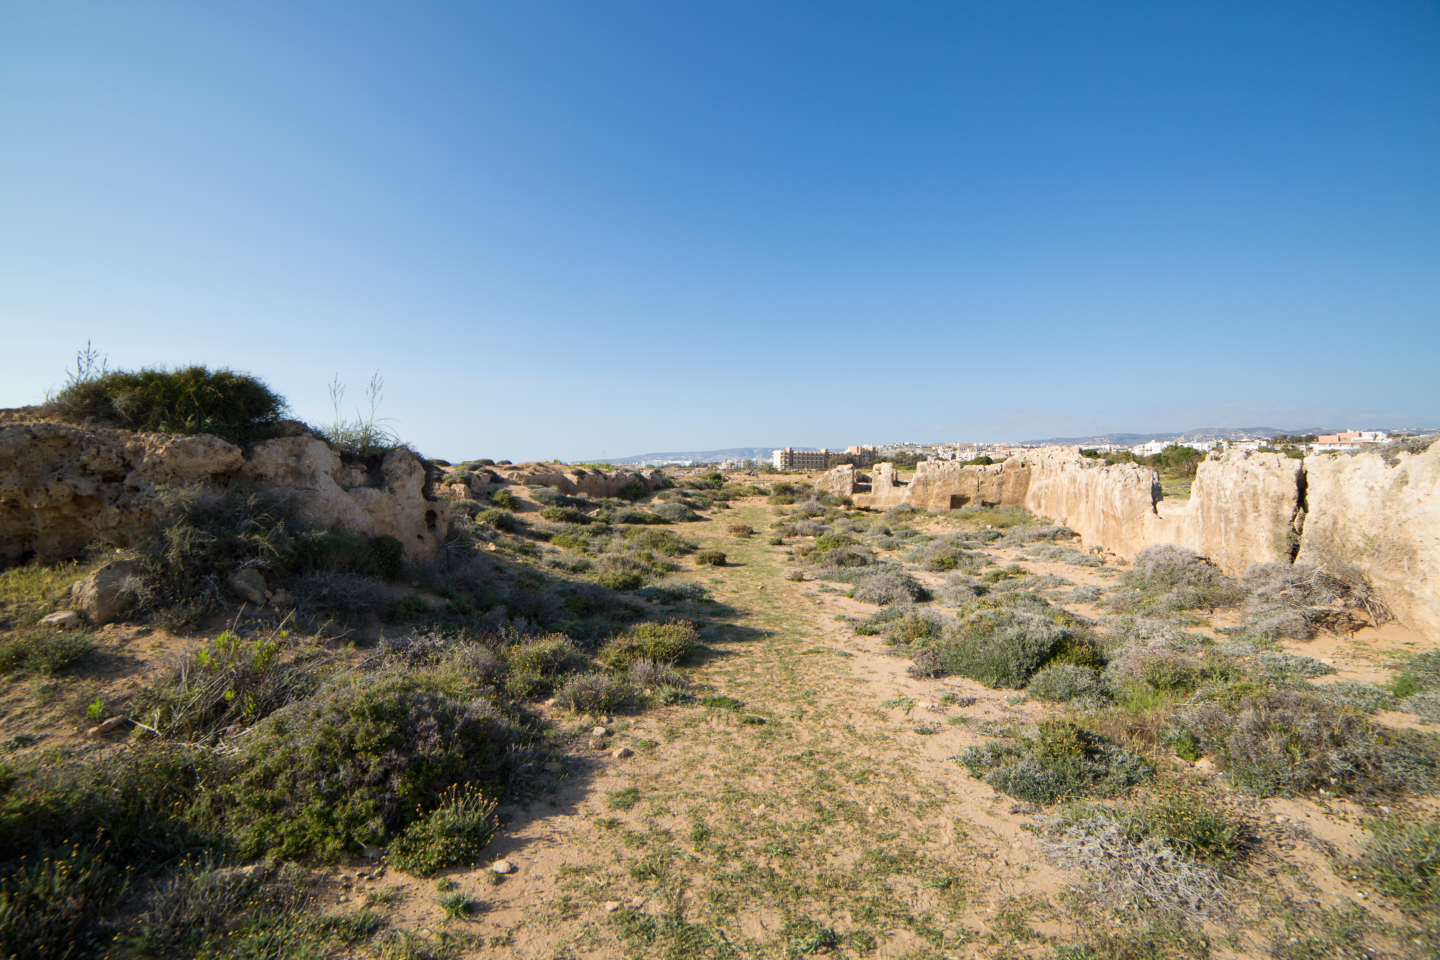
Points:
(326, 492)
(1384, 520)
(62, 487)
(840, 481)
(573, 481)
(1107, 505)
(948, 485)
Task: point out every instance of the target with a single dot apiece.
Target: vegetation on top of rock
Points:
(233, 406)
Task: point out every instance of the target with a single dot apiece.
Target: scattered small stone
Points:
(622, 752)
(610, 906)
(600, 732)
(62, 619)
(108, 726)
(554, 767)
(1205, 764)
(503, 867)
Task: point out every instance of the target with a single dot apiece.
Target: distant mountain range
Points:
(1204, 433)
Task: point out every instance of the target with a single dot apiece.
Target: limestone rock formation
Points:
(949, 485)
(577, 480)
(64, 486)
(1383, 520)
(387, 500)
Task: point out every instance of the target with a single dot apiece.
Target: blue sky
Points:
(575, 229)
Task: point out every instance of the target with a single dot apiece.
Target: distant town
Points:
(798, 458)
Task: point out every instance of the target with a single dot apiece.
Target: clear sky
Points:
(586, 228)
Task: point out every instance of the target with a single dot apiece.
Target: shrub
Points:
(675, 512)
(888, 588)
(1402, 860)
(43, 651)
(1289, 742)
(710, 558)
(740, 530)
(536, 664)
(647, 674)
(669, 642)
(1425, 705)
(356, 765)
(451, 835)
(341, 597)
(637, 517)
(1124, 869)
(232, 406)
(1421, 673)
(661, 541)
(594, 693)
(499, 520)
(565, 515)
(1061, 762)
(504, 499)
(229, 681)
(1167, 578)
(1063, 682)
(1350, 695)
(673, 591)
(1001, 648)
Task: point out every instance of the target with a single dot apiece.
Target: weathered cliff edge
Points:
(1381, 518)
(1385, 521)
(64, 486)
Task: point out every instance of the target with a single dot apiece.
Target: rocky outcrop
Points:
(1107, 505)
(577, 480)
(63, 486)
(948, 485)
(325, 492)
(1382, 519)
(841, 481)
(1244, 508)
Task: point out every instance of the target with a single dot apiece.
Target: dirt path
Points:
(815, 811)
(813, 817)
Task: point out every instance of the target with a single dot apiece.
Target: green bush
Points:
(661, 541)
(54, 906)
(356, 765)
(565, 515)
(504, 499)
(232, 406)
(670, 642)
(499, 520)
(594, 693)
(1061, 762)
(1421, 673)
(634, 490)
(43, 651)
(1402, 860)
(711, 558)
(1001, 648)
(536, 665)
(451, 835)
(229, 681)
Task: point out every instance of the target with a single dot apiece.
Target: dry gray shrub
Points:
(1054, 553)
(808, 528)
(1147, 875)
(343, 597)
(646, 674)
(887, 588)
(1425, 705)
(959, 589)
(1085, 594)
(1063, 682)
(1350, 695)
